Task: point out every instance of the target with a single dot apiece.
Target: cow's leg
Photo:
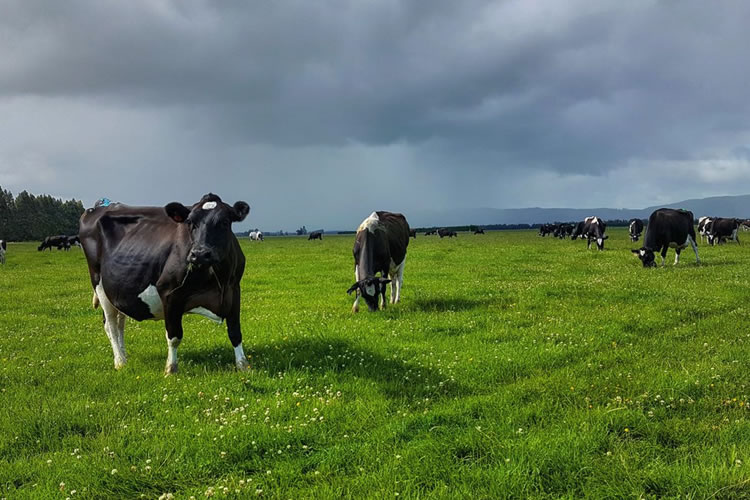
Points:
(695, 249)
(173, 320)
(355, 307)
(664, 254)
(121, 333)
(235, 334)
(677, 255)
(111, 326)
(398, 279)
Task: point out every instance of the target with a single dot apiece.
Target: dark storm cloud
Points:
(528, 91)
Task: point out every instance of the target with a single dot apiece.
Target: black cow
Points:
(432, 231)
(635, 226)
(479, 231)
(413, 233)
(563, 230)
(315, 235)
(442, 232)
(3, 249)
(667, 227)
(591, 228)
(60, 242)
(546, 229)
(379, 247)
(162, 262)
(73, 241)
(719, 229)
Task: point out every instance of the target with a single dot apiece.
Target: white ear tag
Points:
(209, 205)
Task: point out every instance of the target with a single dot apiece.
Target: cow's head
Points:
(210, 224)
(370, 289)
(646, 255)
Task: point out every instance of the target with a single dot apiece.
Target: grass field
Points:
(515, 367)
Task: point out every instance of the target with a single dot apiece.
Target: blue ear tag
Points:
(102, 202)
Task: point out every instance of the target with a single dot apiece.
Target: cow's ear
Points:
(354, 287)
(241, 209)
(177, 211)
(637, 252)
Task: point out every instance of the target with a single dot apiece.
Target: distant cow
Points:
(379, 247)
(432, 231)
(667, 227)
(720, 229)
(479, 231)
(442, 232)
(635, 227)
(546, 229)
(315, 235)
(3, 249)
(60, 242)
(702, 228)
(162, 262)
(73, 241)
(563, 230)
(413, 233)
(256, 235)
(592, 229)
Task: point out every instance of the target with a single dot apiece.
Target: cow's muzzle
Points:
(201, 256)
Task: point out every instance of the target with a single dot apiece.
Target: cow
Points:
(256, 235)
(546, 229)
(431, 231)
(702, 228)
(60, 242)
(3, 249)
(315, 235)
(635, 227)
(413, 233)
(719, 229)
(73, 240)
(479, 231)
(592, 228)
(563, 230)
(667, 227)
(442, 232)
(379, 247)
(162, 262)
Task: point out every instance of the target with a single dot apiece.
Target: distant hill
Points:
(721, 206)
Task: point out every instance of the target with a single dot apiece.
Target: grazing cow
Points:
(256, 235)
(479, 231)
(667, 227)
(162, 262)
(635, 226)
(3, 249)
(442, 232)
(546, 229)
(563, 230)
(719, 229)
(74, 241)
(432, 231)
(591, 228)
(315, 235)
(702, 228)
(60, 242)
(379, 247)
(413, 233)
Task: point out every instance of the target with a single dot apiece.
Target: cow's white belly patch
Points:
(150, 297)
(206, 313)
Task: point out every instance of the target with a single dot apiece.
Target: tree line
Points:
(28, 217)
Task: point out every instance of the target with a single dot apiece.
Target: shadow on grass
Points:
(439, 304)
(396, 378)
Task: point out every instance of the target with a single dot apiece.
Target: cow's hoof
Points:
(355, 309)
(170, 369)
(243, 365)
(119, 364)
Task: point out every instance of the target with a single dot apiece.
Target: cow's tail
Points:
(691, 232)
(95, 301)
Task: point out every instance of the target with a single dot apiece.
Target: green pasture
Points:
(515, 367)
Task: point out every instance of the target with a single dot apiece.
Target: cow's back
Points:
(397, 230)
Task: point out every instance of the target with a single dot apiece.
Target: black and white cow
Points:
(592, 229)
(562, 230)
(667, 228)
(60, 242)
(442, 232)
(430, 232)
(73, 240)
(720, 229)
(479, 231)
(379, 247)
(635, 227)
(702, 228)
(255, 235)
(546, 229)
(162, 262)
(3, 249)
(315, 235)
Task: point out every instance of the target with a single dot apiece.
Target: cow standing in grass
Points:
(591, 228)
(379, 247)
(703, 223)
(162, 262)
(60, 242)
(315, 235)
(3, 249)
(635, 228)
(256, 235)
(667, 228)
(720, 229)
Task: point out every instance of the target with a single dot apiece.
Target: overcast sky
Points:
(318, 112)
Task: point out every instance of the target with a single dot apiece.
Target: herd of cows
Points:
(161, 263)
